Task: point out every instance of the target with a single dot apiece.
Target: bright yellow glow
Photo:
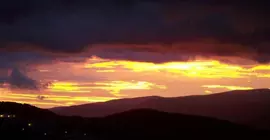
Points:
(52, 100)
(227, 87)
(261, 67)
(99, 80)
(63, 86)
(1, 116)
(67, 87)
(29, 124)
(208, 91)
(114, 87)
(197, 68)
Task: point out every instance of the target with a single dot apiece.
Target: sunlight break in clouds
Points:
(113, 87)
(99, 79)
(66, 87)
(50, 99)
(197, 68)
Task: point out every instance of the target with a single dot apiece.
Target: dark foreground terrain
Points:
(248, 107)
(21, 121)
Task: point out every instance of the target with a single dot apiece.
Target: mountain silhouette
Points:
(25, 111)
(249, 107)
(133, 124)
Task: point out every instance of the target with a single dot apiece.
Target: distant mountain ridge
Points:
(133, 124)
(249, 107)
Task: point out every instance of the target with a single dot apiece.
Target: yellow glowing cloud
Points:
(261, 67)
(200, 73)
(208, 91)
(227, 87)
(66, 87)
(197, 68)
(114, 87)
(51, 99)
(63, 86)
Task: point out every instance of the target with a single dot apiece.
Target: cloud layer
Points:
(185, 28)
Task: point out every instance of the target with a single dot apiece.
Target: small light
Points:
(8, 116)
(84, 134)
(1, 116)
(66, 132)
(14, 116)
(22, 129)
(29, 124)
(45, 134)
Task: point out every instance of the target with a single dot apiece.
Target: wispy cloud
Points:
(227, 87)
(112, 87)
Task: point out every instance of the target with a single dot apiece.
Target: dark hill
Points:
(25, 111)
(134, 124)
(250, 107)
(152, 124)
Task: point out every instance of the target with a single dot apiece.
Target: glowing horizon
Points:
(99, 80)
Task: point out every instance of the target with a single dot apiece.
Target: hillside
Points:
(250, 107)
(25, 111)
(133, 124)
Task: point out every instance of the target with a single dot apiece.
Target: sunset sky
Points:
(60, 53)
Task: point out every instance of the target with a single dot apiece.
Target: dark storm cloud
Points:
(233, 28)
(18, 80)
